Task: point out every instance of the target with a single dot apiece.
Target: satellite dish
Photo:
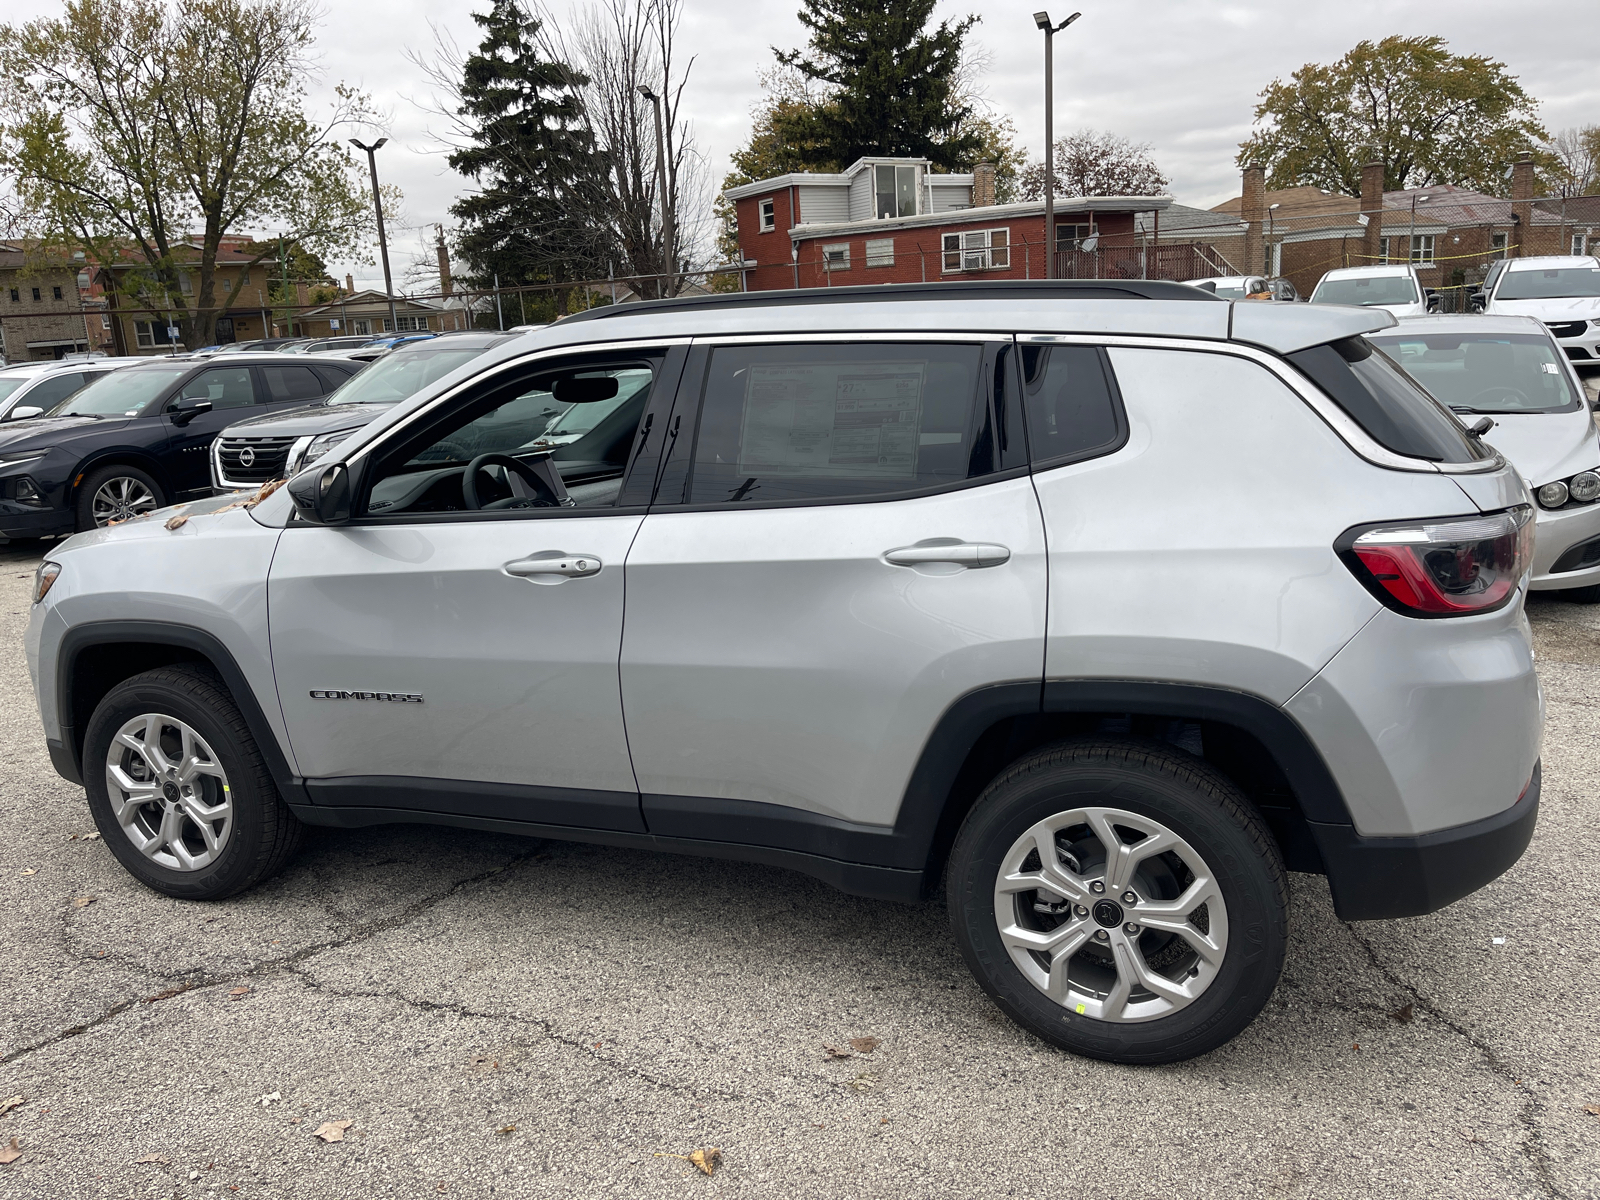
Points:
(1090, 242)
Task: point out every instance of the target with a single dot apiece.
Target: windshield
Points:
(7, 386)
(121, 393)
(1553, 284)
(579, 419)
(1374, 289)
(390, 380)
(1484, 372)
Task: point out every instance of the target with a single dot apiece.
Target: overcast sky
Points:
(1181, 75)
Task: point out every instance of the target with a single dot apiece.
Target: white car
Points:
(1562, 291)
(31, 389)
(1511, 371)
(1395, 288)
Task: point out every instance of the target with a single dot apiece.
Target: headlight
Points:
(310, 449)
(1584, 486)
(25, 460)
(44, 579)
(1553, 495)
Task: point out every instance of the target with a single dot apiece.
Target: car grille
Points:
(1566, 329)
(267, 457)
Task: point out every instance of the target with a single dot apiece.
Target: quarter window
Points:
(1072, 406)
(977, 250)
(829, 422)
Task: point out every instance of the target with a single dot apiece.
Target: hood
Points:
(212, 509)
(307, 421)
(41, 433)
(1544, 446)
(1559, 308)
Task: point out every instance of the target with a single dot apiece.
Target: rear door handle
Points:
(948, 550)
(554, 562)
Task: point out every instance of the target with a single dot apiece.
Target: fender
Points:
(134, 456)
(207, 646)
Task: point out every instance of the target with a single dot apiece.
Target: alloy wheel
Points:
(1111, 915)
(119, 498)
(168, 792)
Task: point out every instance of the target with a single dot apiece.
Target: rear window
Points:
(1384, 401)
(1379, 289)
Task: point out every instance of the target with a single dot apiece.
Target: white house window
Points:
(361, 327)
(1580, 244)
(979, 250)
(1422, 249)
(227, 285)
(144, 333)
(185, 284)
(1497, 245)
(407, 324)
(836, 257)
(1068, 237)
(896, 190)
(769, 215)
(880, 252)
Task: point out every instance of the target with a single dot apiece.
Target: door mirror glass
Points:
(322, 496)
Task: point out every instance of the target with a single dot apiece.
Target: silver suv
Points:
(1104, 604)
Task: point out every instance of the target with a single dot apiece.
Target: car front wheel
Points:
(116, 493)
(1121, 900)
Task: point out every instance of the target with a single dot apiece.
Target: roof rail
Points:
(1006, 289)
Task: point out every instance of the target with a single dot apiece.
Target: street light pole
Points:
(383, 242)
(669, 252)
(1042, 20)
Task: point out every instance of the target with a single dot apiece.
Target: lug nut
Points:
(1081, 911)
(1130, 928)
(1130, 898)
(1102, 936)
(1097, 886)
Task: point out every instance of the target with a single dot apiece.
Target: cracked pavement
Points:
(508, 1017)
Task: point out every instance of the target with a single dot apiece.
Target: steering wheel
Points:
(527, 489)
(1506, 395)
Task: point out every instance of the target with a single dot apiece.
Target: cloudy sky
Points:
(1181, 75)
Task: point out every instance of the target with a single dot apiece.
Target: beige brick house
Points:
(40, 313)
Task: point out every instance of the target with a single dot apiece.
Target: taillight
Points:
(1445, 568)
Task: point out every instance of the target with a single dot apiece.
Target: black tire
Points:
(84, 505)
(264, 834)
(1189, 798)
(1583, 595)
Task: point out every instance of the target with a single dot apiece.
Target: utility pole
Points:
(669, 251)
(1042, 20)
(383, 242)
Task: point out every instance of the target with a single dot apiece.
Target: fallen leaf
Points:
(30, 870)
(836, 1051)
(331, 1131)
(269, 1099)
(266, 490)
(708, 1160)
(508, 1129)
(8, 1104)
(90, 837)
(1592, 1109)
(238, 992)
(1355, 1045)
(153, 1158)
(864, 1045)
(83, 902)
(1405, 1014)
(11, 1153)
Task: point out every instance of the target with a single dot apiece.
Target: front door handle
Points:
(948, 550)
(554, 563)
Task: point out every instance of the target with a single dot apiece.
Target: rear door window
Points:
(291, 383)
(824, 422)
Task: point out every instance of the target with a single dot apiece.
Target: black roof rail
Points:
(1000, 289)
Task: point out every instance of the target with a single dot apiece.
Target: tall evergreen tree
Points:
(890, 85)
(541, 180)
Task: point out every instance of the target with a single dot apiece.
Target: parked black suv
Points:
(140, 438)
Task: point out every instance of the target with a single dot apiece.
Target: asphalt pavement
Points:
(496, 1016)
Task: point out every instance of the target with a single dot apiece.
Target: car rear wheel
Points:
(1121, 900)
(1583, 595)
(116, 493)
(179, 790)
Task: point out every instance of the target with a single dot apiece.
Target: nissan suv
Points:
(1104, 604)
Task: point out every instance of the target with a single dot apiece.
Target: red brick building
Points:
(894, 220)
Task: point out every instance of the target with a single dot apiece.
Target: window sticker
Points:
(835, 420)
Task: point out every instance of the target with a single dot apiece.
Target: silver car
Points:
(1104, 604)
(33, 389)
(1511, 371)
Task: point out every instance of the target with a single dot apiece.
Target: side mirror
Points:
(23, 411)
(322, 497)
(186, 409)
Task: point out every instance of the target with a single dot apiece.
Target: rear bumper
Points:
(1373, 878)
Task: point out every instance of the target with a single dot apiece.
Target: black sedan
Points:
(140, 438)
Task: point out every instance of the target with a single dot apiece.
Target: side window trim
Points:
(676, 472)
